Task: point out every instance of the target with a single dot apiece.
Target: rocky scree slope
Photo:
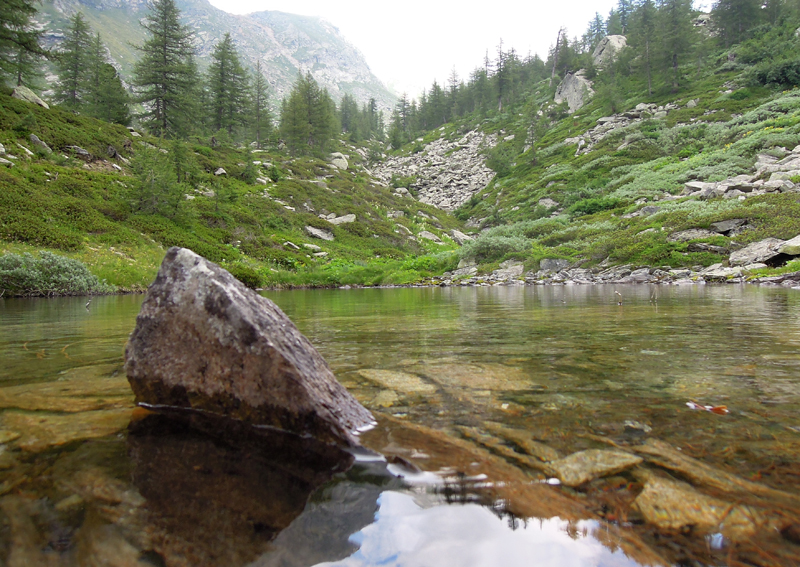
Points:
(446, 173)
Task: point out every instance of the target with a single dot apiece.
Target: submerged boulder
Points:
(674, 505)
(203, 341)
(584, 466)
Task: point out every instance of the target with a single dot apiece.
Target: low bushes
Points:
(47, 275)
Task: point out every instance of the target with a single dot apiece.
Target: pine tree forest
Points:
(170, 97)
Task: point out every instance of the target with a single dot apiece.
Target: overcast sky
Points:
(409, 43)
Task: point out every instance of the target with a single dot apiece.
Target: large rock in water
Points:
(204, 341)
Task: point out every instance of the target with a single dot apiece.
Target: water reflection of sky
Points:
(470, 535)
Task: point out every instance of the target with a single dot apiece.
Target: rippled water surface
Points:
(477, 391)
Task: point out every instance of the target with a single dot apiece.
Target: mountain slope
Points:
(285, 43)
(273, 221)
(680, 180)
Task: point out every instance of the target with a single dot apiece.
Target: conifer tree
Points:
(156, 190)
(95, 59)
(594, 33)
(642, 36)
(227, 87)
(733, 19)
(437, 104)
(373, 119)
(624, 10)
(74, 64)
(349, 117)
(20, 51)
(262, 119)
(166, 74)
(677, 35)
(26, 68)
(501, 75)
(110, 100)
(308, 118)
(614, 23)
(396, 134)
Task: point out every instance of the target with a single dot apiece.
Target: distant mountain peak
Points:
(286, 44)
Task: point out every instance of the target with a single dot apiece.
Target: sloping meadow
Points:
(622, 199)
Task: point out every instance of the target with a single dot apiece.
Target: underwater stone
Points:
(204, 341)
(584, 466)
(673, 505)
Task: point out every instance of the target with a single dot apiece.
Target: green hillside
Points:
(645, 164)
(691, 99)
(635, 176)
(90, 209)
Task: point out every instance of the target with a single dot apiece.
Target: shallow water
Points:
(455, 376)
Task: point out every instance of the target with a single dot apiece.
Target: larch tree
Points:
(349, 117)
(166, 75)
(594, 33)
(677, 35)
(74, 64)
(110, 100)
(20, 51)
(227, 87)
(308, 118)
(614, 23)
(733, 19)
(624, 10)
(262, 119)
(642, 39)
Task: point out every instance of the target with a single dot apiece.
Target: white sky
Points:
(409, 43)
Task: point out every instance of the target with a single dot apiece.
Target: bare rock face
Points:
(576, 90)
(204, 341)
(608, 49)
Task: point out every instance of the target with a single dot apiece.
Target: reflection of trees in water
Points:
(462, 489)
(575, 530)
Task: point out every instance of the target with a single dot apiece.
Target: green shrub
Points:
(784, 73)
(245, 274)
(48, 275)
(741, 94)
(26, 124)
(594, 205)
(491, 247)
(405, 182)
(500, 159)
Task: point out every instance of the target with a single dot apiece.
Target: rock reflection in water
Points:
(216, 496)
